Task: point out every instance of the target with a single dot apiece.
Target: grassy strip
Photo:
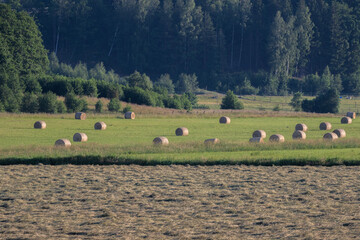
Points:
(300, 157)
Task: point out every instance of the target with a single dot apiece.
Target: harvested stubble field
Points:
(179, 202)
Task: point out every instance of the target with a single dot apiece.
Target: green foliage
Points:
(139, 96)
(296, 101)
(109, 90)
(30, 103)
(99, 106)
(90, 88)
(192, 98)
(32, 85)
(61, 107)
(74, 103)
(48, 103)
(165, 82)
(127, 108)
(327, 102)
(246, 88)
(139, 80)
(230, 101)
(114, 105)
(187, 83)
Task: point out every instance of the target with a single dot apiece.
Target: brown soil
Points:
(179, 202)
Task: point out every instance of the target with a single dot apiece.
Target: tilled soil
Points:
(179, 202)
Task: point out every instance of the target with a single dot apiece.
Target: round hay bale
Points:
(259, 133)
(325, 126)
(277, 138)
(100, 126)
(256, 140)
(301, 127)
(351, 115)
(161, 141)
(182, 131)
(330, 136)
(224, 120)
(63, 143)
(129, 115)
(40, 125)
(212, 141)
(80, 115)
(340, 133)
(80, 137)
(346, 120)
(299, 135)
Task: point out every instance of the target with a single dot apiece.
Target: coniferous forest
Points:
(141, 50)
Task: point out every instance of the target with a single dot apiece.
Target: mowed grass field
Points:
(179, 202)
(130, 141)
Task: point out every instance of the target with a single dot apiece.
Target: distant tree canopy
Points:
(22, 56)
(267, 47)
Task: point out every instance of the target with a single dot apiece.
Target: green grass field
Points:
(130, 141)
(268, 103)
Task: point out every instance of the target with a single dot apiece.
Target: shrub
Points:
(84, 105)
(89, 88)
(99, 106)
(296, 101)
(60, 107)
(192, 97)
(114, 105)
(127, 108)
(165, 82)
(185, 102)
(139, 96)
(139, 80)
(9, 99)
(187, 83)
(109, 90)
(230, 101)
(32, 85)
(73, 103)
(327, 102)
(48, 103)
(30, 103)
(2, 108)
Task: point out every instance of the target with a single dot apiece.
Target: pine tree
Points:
(304, 27)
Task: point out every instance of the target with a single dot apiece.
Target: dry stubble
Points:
(179, 202)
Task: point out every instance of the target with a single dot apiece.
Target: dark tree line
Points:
(249, 46)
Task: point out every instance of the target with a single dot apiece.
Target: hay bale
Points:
(161, 141)
(259, 133)
(340, 133)
(325, 126)
(346, 120)
(330, 136)
(224, 120)
(299, 135)
(301, 127)
(351, 115)
(80, 115)
(277, 138)
(63, 143)
(182, 131)
(80, 137)
(129, 115)
(100, 126)
(256, 140)
(211, 141)
(40, 125)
